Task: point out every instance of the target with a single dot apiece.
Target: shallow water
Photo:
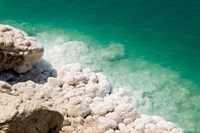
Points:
(150, 46)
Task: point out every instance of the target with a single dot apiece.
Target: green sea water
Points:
(150, 46)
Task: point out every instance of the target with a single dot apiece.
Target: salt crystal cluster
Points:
(89, 104)
(18, 51)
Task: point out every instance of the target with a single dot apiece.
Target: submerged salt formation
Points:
(18, 51)
(89, 103)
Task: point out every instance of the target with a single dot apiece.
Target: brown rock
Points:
(20, 116)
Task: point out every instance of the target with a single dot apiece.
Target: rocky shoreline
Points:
(36, 98)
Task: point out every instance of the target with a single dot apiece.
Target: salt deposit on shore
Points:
(18, 51)
(86, 100)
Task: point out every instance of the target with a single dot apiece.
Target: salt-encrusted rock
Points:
(100, 107)
(150, 127)
(76, 108)
(77, 121)
(95, 84)
(91, 130)
(114, 116)
(103, 84)
(126, 111)
(67, 129)
(89, 121)
(54, 82)
(123, 128)
(5, 87)
(105, 123)
(147, 123)
(110, 131)
(90, 90)
(67, 121)
(20, 116)
(18, 51)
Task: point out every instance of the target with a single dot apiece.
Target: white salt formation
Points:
(18, 51)
(89, 105)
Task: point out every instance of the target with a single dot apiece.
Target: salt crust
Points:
(88, 102)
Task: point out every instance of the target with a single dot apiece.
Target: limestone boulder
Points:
(21, 116)
(18, 51)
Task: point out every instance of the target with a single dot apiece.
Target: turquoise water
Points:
(151, 46)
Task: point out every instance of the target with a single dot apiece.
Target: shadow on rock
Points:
(39, 74)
